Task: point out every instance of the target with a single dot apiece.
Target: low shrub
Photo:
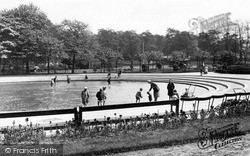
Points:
(235, 69)
(145, 67)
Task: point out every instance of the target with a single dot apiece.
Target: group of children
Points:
(101, 96)
(54, 81)
(138, 96)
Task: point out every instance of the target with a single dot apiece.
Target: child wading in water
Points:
(109, 79)
(68, 79)
(149, 96)
(99, 97)
(52, 83)
(138, 96)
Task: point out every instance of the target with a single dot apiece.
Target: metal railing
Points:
(211, 99)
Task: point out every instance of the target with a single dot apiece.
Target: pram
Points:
(188, 93)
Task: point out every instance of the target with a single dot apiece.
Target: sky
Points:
(155, 16)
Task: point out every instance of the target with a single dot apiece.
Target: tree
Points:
(107, 56)
(177, 60)
(76, 38)
(159, 42)
(180, 41)
(7, 38)
(226, 58)
(131, 46)
(149, 56)
(29, 22)
(108, 38)
(209, 42)
(200, 56)
(148, 40)
(51, 49)
(117, 56)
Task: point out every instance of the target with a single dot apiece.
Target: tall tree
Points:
(7, 38)
(108, 38)
(180, 41)
(30, 22)
(76, 37)
(132, 46)
(209, 42)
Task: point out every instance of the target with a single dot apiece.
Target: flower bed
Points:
(117, 134)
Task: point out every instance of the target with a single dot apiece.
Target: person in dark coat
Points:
(155, 88)
(99, 97)
(170, 88)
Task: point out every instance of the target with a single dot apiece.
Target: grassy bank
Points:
(134, 140)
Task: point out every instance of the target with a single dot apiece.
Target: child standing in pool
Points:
(149, 96)
(104, 95)
(55, 79)
(68, 79)
(109, 80)
(52, 83)
(138, 96)
(99, 97)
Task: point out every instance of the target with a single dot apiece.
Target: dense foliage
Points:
(29, 39)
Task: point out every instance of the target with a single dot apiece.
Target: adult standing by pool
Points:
(85, 96)
(155, 88)
(170, 88)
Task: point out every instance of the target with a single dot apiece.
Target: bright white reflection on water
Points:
(40, 95)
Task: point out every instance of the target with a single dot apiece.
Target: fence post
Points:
(177, 107)
(76, 116)
(80, 114)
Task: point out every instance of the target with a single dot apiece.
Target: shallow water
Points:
(40, 96)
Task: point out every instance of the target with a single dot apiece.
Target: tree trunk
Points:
(198, 65)
(73, 64)
(213, 62)
(132, 65)
(27, 66)
(0, 65)
(116, 64)
(245, 58)
(48, 68)
(104, 66)
(148, 66)
(140, 66)
(101, 67)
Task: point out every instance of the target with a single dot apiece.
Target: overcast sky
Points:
(139, 15)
